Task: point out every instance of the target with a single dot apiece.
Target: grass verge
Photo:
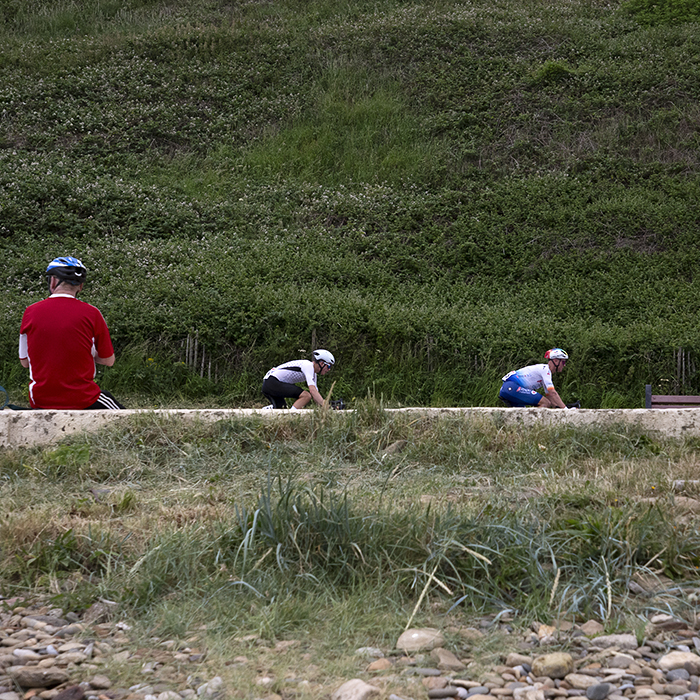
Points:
(358, 522)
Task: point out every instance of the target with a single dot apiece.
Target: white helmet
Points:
(324, 356)
(556, 354)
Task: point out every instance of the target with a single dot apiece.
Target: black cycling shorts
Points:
(105, 401)
(276, 391)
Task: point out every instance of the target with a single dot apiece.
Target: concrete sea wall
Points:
(29, 428)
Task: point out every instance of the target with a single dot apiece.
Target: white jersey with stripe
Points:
(532, 377)
(294, 372)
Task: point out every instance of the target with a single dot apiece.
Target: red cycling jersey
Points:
(61, 336)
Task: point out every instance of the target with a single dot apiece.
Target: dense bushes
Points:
(665, 11)
(437, 194)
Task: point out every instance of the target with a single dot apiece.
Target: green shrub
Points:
(654, 12)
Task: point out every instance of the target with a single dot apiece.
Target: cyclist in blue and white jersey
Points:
(520, 387)
(280, 383)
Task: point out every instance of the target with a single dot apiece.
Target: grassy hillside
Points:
(435, 191)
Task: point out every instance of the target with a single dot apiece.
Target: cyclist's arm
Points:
(554, 397)
(23, 351)
(315, 395)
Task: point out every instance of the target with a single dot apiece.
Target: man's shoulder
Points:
(86, 305)
(294, 364)
(68, 305)
(36, 304)
(304, 367)
(38, 307)
(61, 299)
(83, 306)
(533, 368)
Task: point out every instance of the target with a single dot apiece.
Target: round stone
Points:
(420, 639)
(677, 674)
(599, 691)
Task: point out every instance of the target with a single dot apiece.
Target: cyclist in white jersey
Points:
(280, 383)
(520, 387)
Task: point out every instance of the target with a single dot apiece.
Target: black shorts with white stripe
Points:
(276, 391)
(105, 401)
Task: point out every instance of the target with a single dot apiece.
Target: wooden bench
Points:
(669, 400)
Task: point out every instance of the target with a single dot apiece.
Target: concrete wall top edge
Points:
(29, 428)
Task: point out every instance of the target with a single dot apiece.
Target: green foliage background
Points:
(436, 191)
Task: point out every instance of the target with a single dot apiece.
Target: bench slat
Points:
(674, 401)
(668, 400)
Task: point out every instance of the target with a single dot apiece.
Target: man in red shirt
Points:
(61, 340)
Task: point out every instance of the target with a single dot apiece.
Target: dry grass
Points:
(310, 531)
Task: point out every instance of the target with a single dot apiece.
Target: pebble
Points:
(380, 665)
(599, 691)
(372, 652)
(26, 655)
(355, 689)
(447, 692)
(40, 653)
(35, 677)
(446, 660)
(211, 688)
(678, 674)
(680, 659)
(420, 639)
(556, 665)
(100, 683)
(619, 641)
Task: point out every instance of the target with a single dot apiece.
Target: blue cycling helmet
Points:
(67, 269)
